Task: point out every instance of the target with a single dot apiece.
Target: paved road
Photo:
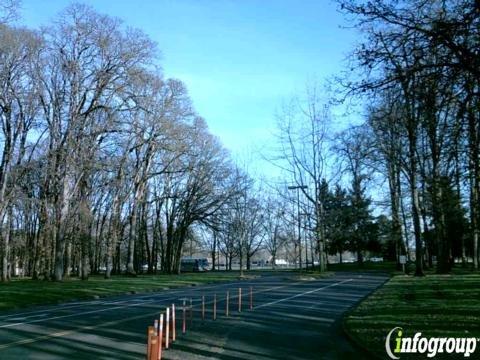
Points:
(292, 319)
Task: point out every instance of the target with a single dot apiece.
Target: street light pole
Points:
(305, 237)
(299, 241)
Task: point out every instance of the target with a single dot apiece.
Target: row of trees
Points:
(329, 176)
(416, 74)
(104, 164)
(419, 66)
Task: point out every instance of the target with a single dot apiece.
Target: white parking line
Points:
(71, 315)
(82, 328)
(302, 294)
(141, 298)
(124, 319)
(43, 319)
(68, 332)
(63, 306)
(66, 306)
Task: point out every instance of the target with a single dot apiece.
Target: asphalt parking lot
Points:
(293, 318)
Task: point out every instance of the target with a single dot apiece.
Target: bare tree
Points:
(303, 125)
(18, 107)
(425, 51)
(274, 227)
(9, 10)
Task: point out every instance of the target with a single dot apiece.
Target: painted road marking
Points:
(68, 332)
(302, 294)
(155, 294)
(91, 327)
(71, 315)
(106, 302)
(79, 329)
(142, 299)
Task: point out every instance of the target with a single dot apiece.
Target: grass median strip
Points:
(21, 293)
(388, 267)
(435, 305)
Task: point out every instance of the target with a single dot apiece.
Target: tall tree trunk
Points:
(214, 250)
(59, 233)
(417, 233)
(5, 234)
(132, 241)
(85, 225)
(394, 187)
(474, 170)
(59, 252)
(62, 204)
(68, 260)
(412, 153)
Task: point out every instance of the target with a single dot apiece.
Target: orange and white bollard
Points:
(160, 337)
(191, 312)
(239, 299)
(154, 340)
(173, 323)
(184, 325)
(167, 327)
(215, 307)
(251, 298)
(150, 334)
(160, 320)
(227, 300)
(203, 307)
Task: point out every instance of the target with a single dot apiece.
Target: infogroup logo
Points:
(429, 346)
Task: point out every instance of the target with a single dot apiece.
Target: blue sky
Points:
(240, 59)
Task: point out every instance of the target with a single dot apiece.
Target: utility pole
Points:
(305, 237)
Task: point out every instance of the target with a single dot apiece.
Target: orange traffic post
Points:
(151, 330)
(215, 307)
(160, 337)
(203, 307)
(226, 303)
(239, 299)
(154, 340)
(150, 334)
(191, 312)
(173, 323)
(184, 325)
(167, 327)
(251, 298)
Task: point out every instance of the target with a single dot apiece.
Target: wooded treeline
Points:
(104, 163)
(418, 71)
(106, 167)
(415, 77)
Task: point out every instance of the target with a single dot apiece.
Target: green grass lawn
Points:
(25, 292)
(436, 305)
(384, 266)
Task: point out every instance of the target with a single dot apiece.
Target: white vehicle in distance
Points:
(194, 265)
